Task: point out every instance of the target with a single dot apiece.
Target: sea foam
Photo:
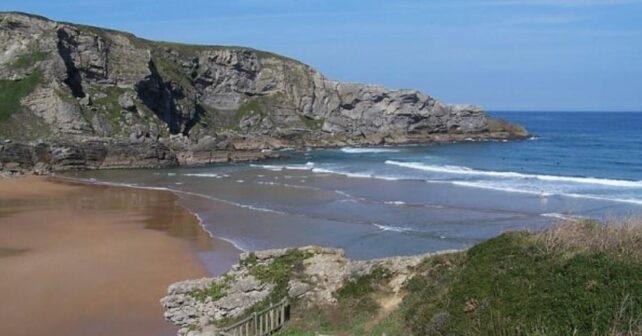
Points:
(367, 150)
(391, 228)
(459, 170)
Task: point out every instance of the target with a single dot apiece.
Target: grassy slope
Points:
(354, 313)
(11, 92)
(578, 279)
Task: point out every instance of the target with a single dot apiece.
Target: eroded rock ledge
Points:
(309, 276)
(191, 104)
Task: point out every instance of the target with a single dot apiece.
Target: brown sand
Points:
(91, 260)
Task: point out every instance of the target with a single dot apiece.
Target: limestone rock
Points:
(97, 83)
(126, 101)
(88, 154)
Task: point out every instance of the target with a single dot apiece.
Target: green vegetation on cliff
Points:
(12, 91)
(580, 278)
(357, 312)
(27, 60)
(278, 272)
(214, 291)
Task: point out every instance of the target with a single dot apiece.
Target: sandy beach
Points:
(92, 260)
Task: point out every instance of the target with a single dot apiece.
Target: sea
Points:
(402, 200)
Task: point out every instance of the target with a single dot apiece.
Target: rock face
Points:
(314, 275)
(78, 82)
(42, 157)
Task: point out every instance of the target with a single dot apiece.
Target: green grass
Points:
(428, 290)
(251, 107)
(171, 71)
(112, 110)
(250, 261)
(11, 92)
(280, 270)
(214, 291)
(313, 124)
(512, 285)
(294, 332)
(27, 60)
(356, 308)
(363, 285)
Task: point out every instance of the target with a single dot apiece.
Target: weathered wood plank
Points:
(261, 323)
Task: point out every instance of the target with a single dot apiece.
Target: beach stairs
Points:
(261, 323)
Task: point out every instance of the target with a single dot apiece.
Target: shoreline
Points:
(89, 259)
(212, 270)
(175, 192)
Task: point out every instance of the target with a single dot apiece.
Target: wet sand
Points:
(94, 260)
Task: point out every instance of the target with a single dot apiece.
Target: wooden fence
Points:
(260, 323)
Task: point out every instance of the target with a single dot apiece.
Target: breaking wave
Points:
(367, 150)
(459, 170)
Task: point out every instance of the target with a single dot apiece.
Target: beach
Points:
(80, 259)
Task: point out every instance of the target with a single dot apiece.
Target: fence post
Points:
(271, 317)
(256, 331)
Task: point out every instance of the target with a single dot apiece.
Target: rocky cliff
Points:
(310, 277)
(79, 96)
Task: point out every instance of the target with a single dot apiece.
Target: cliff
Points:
(74, 96)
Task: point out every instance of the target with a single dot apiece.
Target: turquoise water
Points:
(401, 200)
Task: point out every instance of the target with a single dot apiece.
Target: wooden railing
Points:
(261, 323)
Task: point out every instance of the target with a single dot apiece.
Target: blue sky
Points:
(500, 54)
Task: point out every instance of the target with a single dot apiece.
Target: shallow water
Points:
(385, 201)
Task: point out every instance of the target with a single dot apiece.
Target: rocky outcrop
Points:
(309, 276)
(44, 157)
(77, 82)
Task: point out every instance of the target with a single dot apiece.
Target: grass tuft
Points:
(280, 270)
(617, 238)
(11, 92)
(354, 313)
(27, 60)
(313, 124)
(214, 290)
(363, 285)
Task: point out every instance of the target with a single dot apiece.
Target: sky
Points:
(541, 55)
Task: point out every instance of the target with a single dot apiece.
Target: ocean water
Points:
(592, 155)
(402, 200)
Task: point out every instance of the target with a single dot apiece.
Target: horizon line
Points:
(563, 111)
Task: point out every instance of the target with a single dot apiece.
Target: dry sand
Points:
(91, 260)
